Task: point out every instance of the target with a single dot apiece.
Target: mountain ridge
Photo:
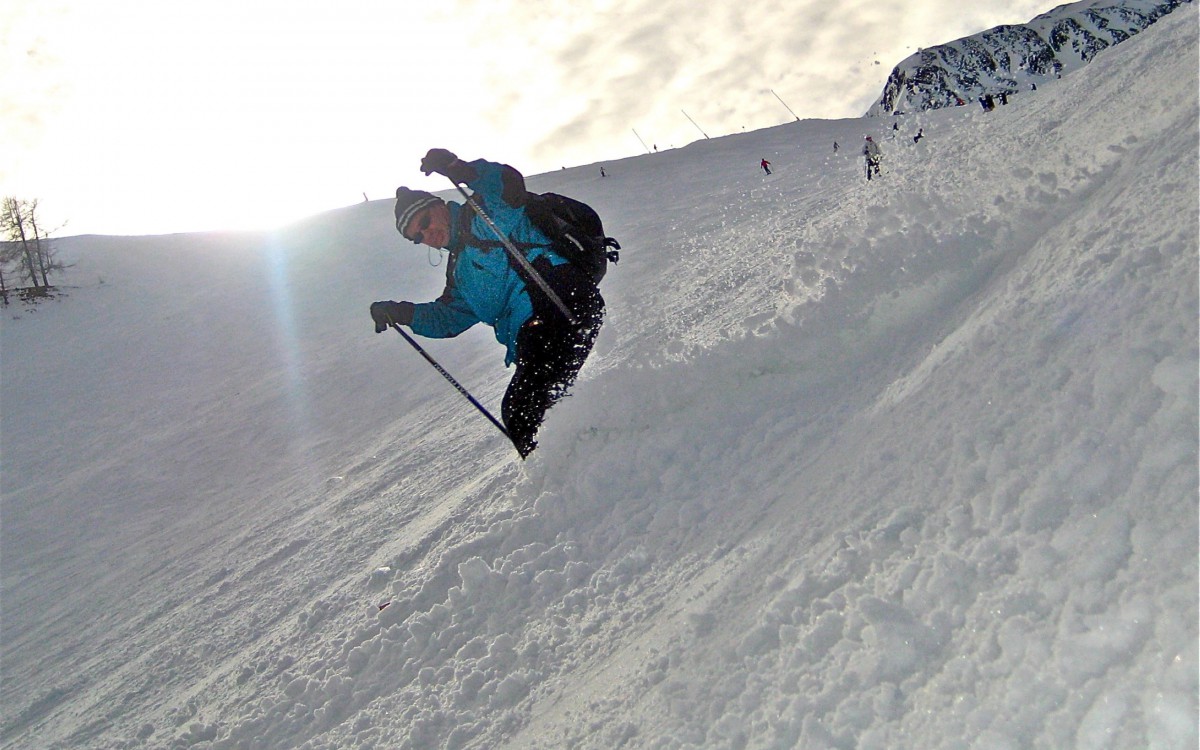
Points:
(1010, 58)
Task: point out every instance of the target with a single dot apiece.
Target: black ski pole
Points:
(516, 255)
(451, 379)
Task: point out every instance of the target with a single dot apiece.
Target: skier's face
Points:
(430, 226)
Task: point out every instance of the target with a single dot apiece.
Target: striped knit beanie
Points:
(409, 203)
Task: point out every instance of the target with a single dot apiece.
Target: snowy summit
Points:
(901, 464)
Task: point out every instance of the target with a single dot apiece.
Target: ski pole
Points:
(451, 379)
(516, 255)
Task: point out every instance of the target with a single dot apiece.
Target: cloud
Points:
(31, 83)
(158, 106)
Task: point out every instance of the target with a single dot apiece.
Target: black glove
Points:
(437, 160)
(385, 314)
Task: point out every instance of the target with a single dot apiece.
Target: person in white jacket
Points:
(873, 156)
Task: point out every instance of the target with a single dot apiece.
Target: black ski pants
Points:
(872, 166)
(550, 352)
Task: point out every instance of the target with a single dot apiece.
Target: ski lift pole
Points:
(640, 140)
(685, 114)
(785, 106)
(467, 394)
(521, 260)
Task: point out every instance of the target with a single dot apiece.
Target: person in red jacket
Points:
(766, 166)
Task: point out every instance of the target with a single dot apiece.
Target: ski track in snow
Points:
(907, 464)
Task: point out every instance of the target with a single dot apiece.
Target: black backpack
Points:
(575, 229)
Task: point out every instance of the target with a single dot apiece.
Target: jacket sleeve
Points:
(501, 191)
(502, 186)
(445, 317)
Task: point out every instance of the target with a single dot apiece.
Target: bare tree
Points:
(43, 247)
(10, 253)
(3, 281)
(12, 221)
(29, 249)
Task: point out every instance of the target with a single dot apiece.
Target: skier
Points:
(483, 285)
(920, 134)
(873, 156)
(766, 166)
(835, 147)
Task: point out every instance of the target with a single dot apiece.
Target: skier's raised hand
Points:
(437, 160)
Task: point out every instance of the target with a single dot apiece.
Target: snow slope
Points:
(907, 464)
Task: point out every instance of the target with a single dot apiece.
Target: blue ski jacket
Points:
(482, 284)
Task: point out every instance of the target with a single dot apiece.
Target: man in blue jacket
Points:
(484, 285)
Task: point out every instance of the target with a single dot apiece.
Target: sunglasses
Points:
(422, 226)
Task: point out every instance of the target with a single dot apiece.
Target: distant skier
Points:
(484, 285)
(920, 134)
(835, 147)
(766, 166)
(873, 156)
(603, 173)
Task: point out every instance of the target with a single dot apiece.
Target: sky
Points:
(140, 117)
(906, 464)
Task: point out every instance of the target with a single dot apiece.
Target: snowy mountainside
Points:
(1011, 58)
(906, 464)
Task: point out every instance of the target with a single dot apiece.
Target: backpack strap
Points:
(491, 243)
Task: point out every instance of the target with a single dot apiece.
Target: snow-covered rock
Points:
(1012, 58)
